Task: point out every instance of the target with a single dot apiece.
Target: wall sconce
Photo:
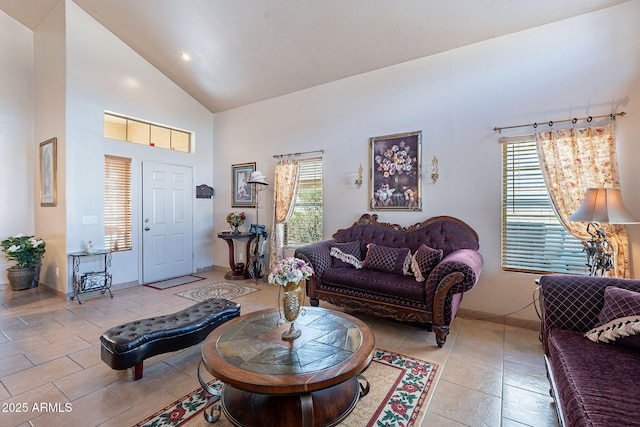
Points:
(434, 169)
(359, 178)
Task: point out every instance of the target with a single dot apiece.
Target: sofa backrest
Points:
(573, 302)
(442, 232)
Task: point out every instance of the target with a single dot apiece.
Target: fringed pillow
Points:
(424, 260)
(346, 255)
(623, 331)
(619, 319)
(388, 260)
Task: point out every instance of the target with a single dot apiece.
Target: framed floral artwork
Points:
(396, 178)
(242, 194)
(48, 172)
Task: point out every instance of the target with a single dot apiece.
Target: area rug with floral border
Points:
(400, 389)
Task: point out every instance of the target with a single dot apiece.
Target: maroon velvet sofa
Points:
(433, 301)
(592, 383)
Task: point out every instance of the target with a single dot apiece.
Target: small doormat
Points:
(176, 281)
(400, 387)
(224, 290)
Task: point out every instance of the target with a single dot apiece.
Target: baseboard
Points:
(496, 318)
(220, 268)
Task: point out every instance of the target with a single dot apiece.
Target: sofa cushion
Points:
(597, 384)
(424, 260)
(376, 285)
(619, 319)
(386, 259)
(346, 255)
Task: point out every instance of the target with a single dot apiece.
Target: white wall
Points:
(50, 121)
(16, 133)
(105, 74)
(588, 65)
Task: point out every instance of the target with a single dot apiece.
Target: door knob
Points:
(147, 229)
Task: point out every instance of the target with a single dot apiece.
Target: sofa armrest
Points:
(466, 261)
(318, 256)
(458, 272)
(573, 302)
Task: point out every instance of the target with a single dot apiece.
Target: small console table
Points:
(90, 281)
(237, 273)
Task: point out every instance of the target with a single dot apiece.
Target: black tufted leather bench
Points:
(127, 345)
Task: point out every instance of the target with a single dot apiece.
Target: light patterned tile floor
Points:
(490, 374)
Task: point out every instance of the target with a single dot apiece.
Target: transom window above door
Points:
(140, 132)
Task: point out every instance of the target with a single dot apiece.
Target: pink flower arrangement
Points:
(290, 270)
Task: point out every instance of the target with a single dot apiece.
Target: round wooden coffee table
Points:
(310, 381)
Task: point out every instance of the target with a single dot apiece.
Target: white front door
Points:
(167, 221)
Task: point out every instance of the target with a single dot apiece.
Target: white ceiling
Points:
(244, 51)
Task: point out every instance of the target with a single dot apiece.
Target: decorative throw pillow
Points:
(619, 319)
(389, 260)
(424, 260)
(622, 331)
(346, 255)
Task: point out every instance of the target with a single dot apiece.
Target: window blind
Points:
(305, 224)
(533, 238)
(117, 203)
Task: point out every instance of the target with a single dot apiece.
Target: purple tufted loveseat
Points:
(434, 301)
(592, 383)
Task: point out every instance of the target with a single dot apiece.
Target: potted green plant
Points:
(27, 252)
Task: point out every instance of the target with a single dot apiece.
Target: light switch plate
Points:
(89, 219)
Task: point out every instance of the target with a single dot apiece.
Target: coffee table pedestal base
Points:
(325, 407)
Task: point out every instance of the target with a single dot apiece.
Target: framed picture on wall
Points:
(395, 177)
(242, 195)
(48, 172)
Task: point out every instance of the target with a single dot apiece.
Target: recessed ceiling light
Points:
(185, 57)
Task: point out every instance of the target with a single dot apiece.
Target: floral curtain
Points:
(286, 189)
(573, 160)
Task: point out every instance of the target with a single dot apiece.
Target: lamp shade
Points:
(603, 205)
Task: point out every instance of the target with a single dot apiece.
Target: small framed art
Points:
(48, 172)
(395, 177)
(242, 194)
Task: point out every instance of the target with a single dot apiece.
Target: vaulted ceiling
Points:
(244, 51)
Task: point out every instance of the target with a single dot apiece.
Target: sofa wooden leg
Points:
(136, 371)
(441, 334)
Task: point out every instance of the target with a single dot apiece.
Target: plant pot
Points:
(22, 278)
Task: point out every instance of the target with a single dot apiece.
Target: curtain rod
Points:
(279, 156)
(551, 123)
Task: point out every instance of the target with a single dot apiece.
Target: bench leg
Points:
(136, 371)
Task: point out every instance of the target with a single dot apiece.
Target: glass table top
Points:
(255, 344)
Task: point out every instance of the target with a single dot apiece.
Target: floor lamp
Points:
(601, 206)
(258, 181)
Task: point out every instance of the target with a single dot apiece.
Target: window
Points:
(117, 203)
(139, 132)
(533, 238)
(305, 225)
